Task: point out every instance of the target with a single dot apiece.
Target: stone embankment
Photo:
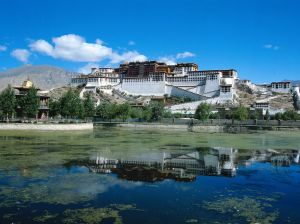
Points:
(211, 126)
(46, 127)
(195, 128)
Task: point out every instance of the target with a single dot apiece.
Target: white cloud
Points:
(169, 60)
(268, 46)
(72, 47)
(271, 47)
(185, 54)
(42, 46)
(127, 56)
(98, 41)
(172, 60)
(21, 55)
(131, 43)
(3, 48)
(87, 68)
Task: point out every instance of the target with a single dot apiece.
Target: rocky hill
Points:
(44, 76)
(248, 95)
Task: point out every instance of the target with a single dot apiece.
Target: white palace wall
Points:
(193, 87)
(145, 88)
(212, 87)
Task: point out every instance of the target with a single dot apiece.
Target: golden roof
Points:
(27, 84)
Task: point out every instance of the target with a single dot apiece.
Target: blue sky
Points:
(259, 38)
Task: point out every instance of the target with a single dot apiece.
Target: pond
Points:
(119, 175)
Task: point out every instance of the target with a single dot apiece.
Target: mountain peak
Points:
(43, 76)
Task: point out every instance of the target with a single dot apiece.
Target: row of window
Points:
(261, 105)
(280, 86)
(225, 89)
(84, 80)
(188, 79)
(79, 80)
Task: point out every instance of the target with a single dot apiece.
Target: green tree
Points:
(267, 115)
(107, 111)
(157, 110)
(290, 115)
(89, 107)
(71, 105)
(136, 112)
(167, 114)
(54, 106)
(203, 111)
(214, 116)
(8, 102)
(241, 113)
(29, 103)
(256, 114)
(123, 111)
(278, 116)
(147, 114)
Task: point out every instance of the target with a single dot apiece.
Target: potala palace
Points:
(183, 80)
(157, 80)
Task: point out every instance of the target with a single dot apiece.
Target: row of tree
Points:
(71, 106)
(28, 104)
(154, 111)
(204, 112)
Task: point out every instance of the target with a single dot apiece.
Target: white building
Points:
(186, 81)
(281, 87)
(100, 78)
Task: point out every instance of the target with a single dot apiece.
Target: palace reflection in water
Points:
(187, 166)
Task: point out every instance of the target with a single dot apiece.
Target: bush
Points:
(241, 113)
(203, 111)
(290, 115)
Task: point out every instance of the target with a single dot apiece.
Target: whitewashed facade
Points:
(281, 87)
(185, 82)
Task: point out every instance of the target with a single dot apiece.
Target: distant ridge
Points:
(44, 76)
(296, 82)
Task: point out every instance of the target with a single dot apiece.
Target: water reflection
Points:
(274, 157)
(186, 166)
(177, 166)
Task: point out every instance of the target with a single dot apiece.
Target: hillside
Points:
(43, 76)
(248, 95)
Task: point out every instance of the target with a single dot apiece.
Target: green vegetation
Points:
(54, 107)
(45, 217)
(241, 113)
(88, 105)
(7, 102)
(154, 111)
(71, 105)
(123, 111)
(30, 103)
(288, 115)
(107, 111)
(157, 110)
(176, 99)
(91, 215)
(253, 211)
(203, 111)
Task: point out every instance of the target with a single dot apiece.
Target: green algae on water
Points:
(47, 216)
(91, 215)
(253, 211)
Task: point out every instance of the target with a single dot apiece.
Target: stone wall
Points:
(46, 127)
